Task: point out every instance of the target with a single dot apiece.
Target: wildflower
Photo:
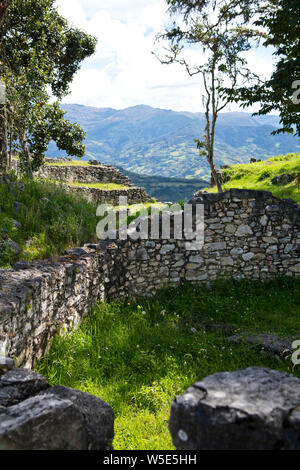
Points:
(139, 307)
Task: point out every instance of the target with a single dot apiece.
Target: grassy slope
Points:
(50, 219)
(259, 176)
(138, 355)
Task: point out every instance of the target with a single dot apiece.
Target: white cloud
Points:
(123, 72)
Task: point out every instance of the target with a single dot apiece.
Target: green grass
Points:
(259, 176)
(51, 220)
(72, 163)
(103, 186)
(137, 355)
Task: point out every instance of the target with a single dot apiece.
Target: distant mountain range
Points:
(151, 141)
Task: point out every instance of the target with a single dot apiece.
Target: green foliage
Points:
(222, 32)
(40, 52)
(51, 125)
(138, 355)
(280, 20)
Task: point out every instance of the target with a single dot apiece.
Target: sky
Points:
(123, 72)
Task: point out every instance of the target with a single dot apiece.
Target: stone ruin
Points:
(248, 234)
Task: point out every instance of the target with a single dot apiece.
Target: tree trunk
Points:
(216, 177)
(10, 143)
(4, 149)
(25, 156)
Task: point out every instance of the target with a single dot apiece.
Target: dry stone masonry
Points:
(248, 234)
(94, 174)
(133, 194)
(82, 174)
(89, 174)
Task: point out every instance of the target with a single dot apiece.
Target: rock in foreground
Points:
(35, 416)
(250, 409)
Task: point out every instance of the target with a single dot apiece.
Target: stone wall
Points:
(134, 195)
(84, 174)
(92, 174)
(248, 234)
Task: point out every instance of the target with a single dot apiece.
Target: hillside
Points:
(166, 189)
(280, 175)
(160, 142)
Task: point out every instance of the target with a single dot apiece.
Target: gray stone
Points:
(264, 220)
(243, 231)
(250, 409)
(6, 364)
(42, 423)
(266, 341)
(18, 206)
(227, 261)
(236, 251)
(166, 248)
(142, 254)
(28, 382)
(17, 224)
(248, 256)
(15, 247)
(295, 268)
(11, 396)
(98, 415)
(196, 259)
(215, 246)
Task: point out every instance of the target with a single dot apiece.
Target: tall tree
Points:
(280, 19)
(220, 31)
(39, 53)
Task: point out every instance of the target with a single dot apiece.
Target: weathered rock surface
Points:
(17, 385)
(42, 423)
(267, 342)
(98, 415)
(250, 409)
(35, 416)
(6, 364)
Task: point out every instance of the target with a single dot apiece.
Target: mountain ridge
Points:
(153, 141)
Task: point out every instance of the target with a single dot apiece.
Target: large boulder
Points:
(19, 384)
(42, 423)
(98, 415)
(35, 416)
(250, 409)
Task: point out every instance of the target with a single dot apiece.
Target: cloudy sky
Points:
(123, 72)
